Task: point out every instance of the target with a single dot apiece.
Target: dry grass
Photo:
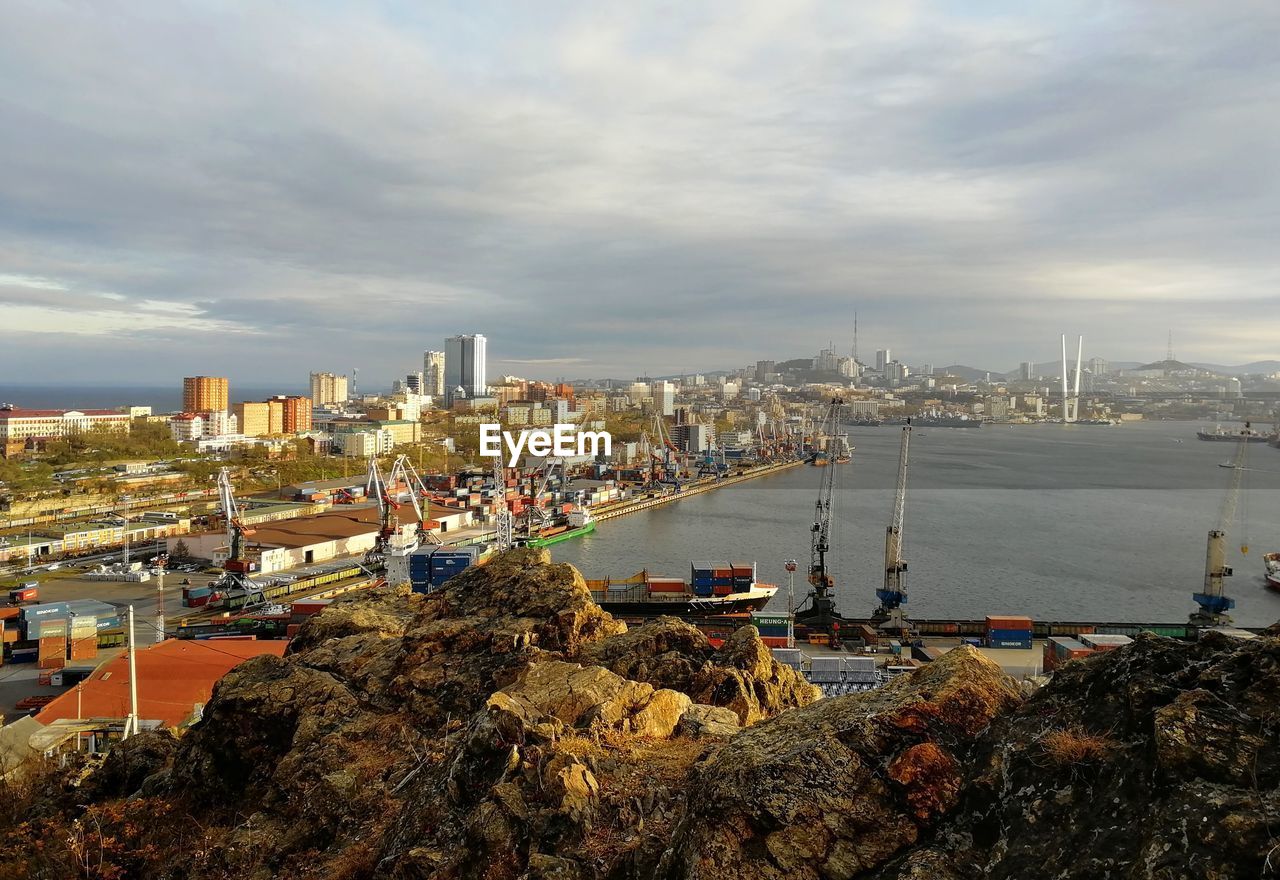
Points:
(1074, 745)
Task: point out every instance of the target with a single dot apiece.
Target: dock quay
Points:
(624, 508)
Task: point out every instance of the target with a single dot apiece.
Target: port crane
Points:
(502, 527)
(821, 613)
(375, 486)
(1214, 602)
(235, 570)
(536, 518)
(403, 472)
(890, 615)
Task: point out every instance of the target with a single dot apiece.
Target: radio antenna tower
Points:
(1169, 353)
(855, 337)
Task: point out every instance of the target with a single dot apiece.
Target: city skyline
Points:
(615, 186)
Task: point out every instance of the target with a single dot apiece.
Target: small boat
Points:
(1272, 563)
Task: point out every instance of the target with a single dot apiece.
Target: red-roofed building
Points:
(174, 678)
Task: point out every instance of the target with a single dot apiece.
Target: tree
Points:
(180, 551)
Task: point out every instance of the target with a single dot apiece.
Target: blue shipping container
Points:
(1011, 635)
(1005, 643)
(700, 590)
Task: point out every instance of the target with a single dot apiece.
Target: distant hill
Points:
(1169, 366)
(971, 374)
(1242, 369)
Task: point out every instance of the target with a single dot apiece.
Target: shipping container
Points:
(1001, 621)
(1008, 635)
(1009, 643)
(48, 609)
(1102, 642)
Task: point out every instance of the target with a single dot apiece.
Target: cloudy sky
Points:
(263, 189)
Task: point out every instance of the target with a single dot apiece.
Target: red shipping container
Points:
(741, 569)
(666, 585)
(1001, 621)
(722, 591)
(8, 612)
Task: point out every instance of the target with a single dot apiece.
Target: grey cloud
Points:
(597, 182)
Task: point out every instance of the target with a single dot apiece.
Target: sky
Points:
(260, 190)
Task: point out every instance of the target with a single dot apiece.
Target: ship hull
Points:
(1230, 438)
(691, 606)
(562, 536)
(1273, 582)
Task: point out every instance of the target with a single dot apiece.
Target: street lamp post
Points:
(791, 603)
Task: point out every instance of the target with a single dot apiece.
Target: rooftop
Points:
(329, 526)
(173, 677)
(18, 413)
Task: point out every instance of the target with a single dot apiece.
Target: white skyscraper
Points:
(664, 397)
(883, 356)
(464, 366)
(433, 373)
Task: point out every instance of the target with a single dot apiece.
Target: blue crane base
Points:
(891, 598)
(1214, 604)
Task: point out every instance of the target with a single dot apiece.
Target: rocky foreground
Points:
(506, 727)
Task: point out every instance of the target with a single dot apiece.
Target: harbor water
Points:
(1053, 521)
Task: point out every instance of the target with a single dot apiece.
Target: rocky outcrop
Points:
(840, 787)
(741, 676)
(507, 728)
(1156, 761)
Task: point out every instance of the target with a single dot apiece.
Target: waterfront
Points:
(1082, 522)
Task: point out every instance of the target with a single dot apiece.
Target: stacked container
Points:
(51, 645)
(666, 585)
(744, 575)
(1101, 642)
(772, 628)
(430, 567)
(1005, 631)
(702, 578)
(1059, 649)
(196, 597)
(84, 637)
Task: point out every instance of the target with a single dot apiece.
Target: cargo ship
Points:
(578, 523)
(1272, 562)
(714, 588)
(1222, 435)
(960, 421)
